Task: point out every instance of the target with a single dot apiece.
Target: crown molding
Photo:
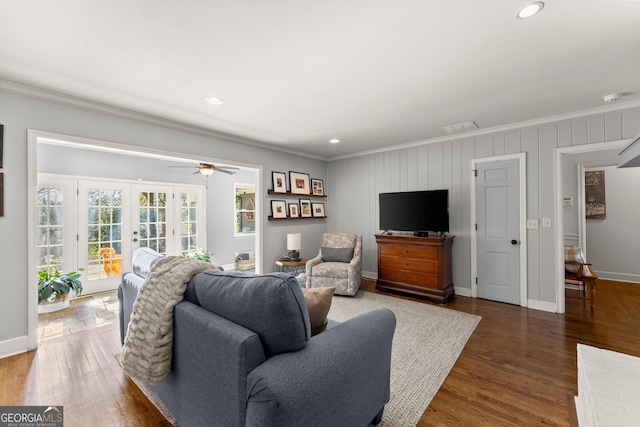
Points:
(72, 101)
(495, 129)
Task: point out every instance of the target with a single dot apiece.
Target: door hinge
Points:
(476, 227)
(77, 237)
(77, 191)
(475, 173)
(476, 280)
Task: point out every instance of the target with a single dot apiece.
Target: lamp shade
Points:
(294, 241)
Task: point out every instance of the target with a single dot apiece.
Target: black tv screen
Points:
(416, 211)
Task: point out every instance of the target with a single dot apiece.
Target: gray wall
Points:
(356, 182)
(613, 243)
(19, 113)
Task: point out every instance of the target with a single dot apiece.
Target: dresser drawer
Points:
(424, 253)
(410, 264)
(410, 277)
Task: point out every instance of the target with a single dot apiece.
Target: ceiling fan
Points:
(207, 169)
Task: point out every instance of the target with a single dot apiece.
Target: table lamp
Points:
(294, 244)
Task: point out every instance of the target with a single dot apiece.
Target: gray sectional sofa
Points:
(243, 354)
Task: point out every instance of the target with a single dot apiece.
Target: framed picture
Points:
(317, 186)
(279, 180)
(594, 194)
(318, 209)
(294, 210)
(278, 209)
(305, 208)
(299, 183)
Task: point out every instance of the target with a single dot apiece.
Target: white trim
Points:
(522, 178)
(559, 152)
(542, 305)
(34, 136)
(60, 98)
(462, 292)
(370, 275)
(495, 129)
(14, 346)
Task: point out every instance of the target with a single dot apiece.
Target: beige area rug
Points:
(426, 345)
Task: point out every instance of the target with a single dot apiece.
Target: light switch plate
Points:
(546, 222)
(532, 224)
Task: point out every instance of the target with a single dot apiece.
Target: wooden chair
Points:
(579, 272)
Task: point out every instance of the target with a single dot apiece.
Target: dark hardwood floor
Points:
(518, 368)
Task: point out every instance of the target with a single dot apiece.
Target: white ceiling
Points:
(295, 73)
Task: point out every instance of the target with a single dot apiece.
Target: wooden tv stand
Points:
(416, 265)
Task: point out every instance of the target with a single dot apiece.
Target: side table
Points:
(289, 266)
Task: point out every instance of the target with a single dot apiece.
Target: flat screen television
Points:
(417, 211)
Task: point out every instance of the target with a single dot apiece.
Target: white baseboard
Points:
(463, 292)
(542, 305)
(370, 275)
(13, 346)
(619, 277)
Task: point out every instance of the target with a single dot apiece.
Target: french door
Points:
(115, 218)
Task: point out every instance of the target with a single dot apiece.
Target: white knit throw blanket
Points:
(146, 354)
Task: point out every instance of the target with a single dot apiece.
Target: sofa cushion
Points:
(318, 302)
(272, 306)
(336, 254)
(142, 261)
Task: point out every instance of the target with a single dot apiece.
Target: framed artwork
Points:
(279, 180)
(299, 183)
(1, 194)
(594, 194)
(294, 211)
(317, 186)
(278, 209)
(305, 208)
(318, 209)
(249, 216)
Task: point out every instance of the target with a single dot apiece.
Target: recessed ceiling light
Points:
(529, 10)
(334, 140)
(214, 100)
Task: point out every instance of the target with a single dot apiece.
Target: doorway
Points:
(563, 177)
(132, 157)
(498, 235)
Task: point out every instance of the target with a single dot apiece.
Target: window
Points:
(50, 228)
(245, 210)
(188, 223)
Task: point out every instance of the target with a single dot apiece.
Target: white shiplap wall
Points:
(354, 185)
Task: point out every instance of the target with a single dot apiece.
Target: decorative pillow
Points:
(318, 302)
(573, 253)
(337, 254)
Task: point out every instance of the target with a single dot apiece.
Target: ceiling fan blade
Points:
(227, 171)
(192, 166)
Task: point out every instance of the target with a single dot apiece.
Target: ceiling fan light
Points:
(206, 171)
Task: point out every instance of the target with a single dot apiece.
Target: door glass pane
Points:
(104, 236)
(153, 220)
(50, 205)
(188, 223)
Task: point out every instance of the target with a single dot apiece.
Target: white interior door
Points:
(104, 246)
(498, 231)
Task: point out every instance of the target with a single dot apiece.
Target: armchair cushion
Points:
(336, 254)
(318, 302)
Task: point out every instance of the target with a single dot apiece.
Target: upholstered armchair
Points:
(338, 264)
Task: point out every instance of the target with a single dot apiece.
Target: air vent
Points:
(460, 127)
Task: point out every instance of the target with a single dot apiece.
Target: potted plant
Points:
(54, 288)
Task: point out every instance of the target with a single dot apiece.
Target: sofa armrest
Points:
(341, 378)
(211, 358)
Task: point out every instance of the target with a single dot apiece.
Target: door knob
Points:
(514, 242)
